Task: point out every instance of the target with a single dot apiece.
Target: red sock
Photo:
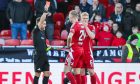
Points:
(84, 79)
(71, 78)
(93, 79)
(78, 78)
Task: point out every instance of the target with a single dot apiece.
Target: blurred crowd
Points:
(114, 20)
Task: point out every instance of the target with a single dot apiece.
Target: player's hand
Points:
(70, 45)
(85, 24)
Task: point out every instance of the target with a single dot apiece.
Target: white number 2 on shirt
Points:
(82, 35)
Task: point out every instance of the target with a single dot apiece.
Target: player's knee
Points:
(47, 73)
(66, 69)
(82, 72)
(77, 71)
(91, 72)
(37, 74)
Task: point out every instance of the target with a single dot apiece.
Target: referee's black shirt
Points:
(39, 40)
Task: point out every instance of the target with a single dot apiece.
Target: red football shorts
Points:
(69, 60)
(75, 58)
(88, 60)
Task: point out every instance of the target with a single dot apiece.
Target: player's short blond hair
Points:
(84, 14)
(73, 13)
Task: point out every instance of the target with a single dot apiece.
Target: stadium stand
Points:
(12, 42)
(2, 42)
(58, 43)
(5, 34)
(28, 42)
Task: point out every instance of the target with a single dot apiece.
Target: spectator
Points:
(117, 16)
(135, 1)
(33, 21)
(62, 6)
(115, 28)
(105, 37)
(130, 52)
(31, 2)
(128, 22)
(119, 1)
(58, 19)
(84, 6)
(118, 40)
(88, 1)
(137, 15)
(113, 1)
(97, 8)
(19, 14)
(95, 18)
(111, 8)
(135, 30)
(39, 7)
(3, 19)
(109, 23)
(104, 2)
(137, 33)
(77, 9)
(129, 4)
(97, 23)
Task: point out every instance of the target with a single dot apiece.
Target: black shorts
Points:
(41, 64)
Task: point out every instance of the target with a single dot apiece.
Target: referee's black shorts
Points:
(41, 64)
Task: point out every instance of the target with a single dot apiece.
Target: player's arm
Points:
(69, 39)
(90, 33)
(43, 17)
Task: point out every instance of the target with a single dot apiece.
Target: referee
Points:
(41, 63)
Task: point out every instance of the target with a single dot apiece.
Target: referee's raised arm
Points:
(43, 17)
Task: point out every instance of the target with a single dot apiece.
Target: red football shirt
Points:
(79, 34)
